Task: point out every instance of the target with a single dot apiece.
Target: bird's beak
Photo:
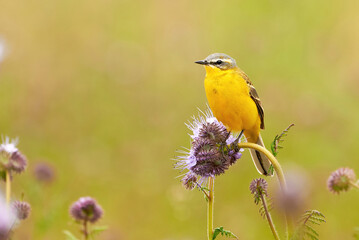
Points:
(202, 62)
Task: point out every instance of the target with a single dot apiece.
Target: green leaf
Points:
(3, 175)
(305, 229)
(223, 232)
(271, 169)
(278, 139)
(204, 188)
(69, 235)
(97, 230)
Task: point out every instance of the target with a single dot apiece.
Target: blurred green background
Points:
(101, 91)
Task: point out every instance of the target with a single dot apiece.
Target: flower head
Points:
(340, 180)
(11, 158)
(86, 209)
(8, 147)
(7, 219)
(258, 187)
(189, 181)
(44, 172)
(212, 150)
(294, 199)
(21, 209)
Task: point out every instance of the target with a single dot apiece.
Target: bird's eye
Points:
(219, 62)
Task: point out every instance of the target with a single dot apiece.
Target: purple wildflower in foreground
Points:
(7, 220)
(341, 179)
(295, 199)
(21, 209)
(11, 158)
(86, 209)
(212, 150)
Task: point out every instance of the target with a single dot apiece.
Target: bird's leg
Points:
(235, 143)
(224, 144)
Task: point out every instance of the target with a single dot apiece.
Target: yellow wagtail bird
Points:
(235, 102)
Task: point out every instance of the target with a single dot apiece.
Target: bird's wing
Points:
(254, 95)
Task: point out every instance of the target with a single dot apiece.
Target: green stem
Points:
(85, 230)
(269, 218)
(210, 208)
(280, 175)
(353, 184)
(8, 187)
(204, 191)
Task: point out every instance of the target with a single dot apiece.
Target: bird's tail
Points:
(260, 160)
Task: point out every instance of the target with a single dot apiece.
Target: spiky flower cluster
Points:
(21, 209)
(43, 172)
(189, 181)
(11, 159)
(258, 187)
(341, 180)
(212, 152)
(86, 209)
(7, 219)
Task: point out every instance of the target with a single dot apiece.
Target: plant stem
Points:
(210, 208)
(204, 191)
(8, 187)
(280, 175)
(269, 218)
(85, 230)
(354, 184)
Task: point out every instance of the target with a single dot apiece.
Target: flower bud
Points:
(86, 209)
(340, 180)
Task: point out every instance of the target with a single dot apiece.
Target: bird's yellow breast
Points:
(228, 96)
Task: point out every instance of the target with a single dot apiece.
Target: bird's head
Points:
(219, 61)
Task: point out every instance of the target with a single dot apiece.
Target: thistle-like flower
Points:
(86, 209)
(212, 151)
(21, 209)
(43, 172)
(341, 180)
(7, 219)
(11, 158)
(258, 187)
(189, 181)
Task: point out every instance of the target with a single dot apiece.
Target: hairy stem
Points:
(204, 191)
(85, 230)
(354, 184)
(307, 218)
(280, 175)
(210, 208)
(269, 218)
(8, 187)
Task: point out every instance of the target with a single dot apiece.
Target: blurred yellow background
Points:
(101, 91)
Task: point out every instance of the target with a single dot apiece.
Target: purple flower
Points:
(258, 187)
(212, 150)
(86, 209)
(189, 181)
(21, 209)
(341, 179)
(44, 172)
(17, 162)
(11, 158)
(7, 219)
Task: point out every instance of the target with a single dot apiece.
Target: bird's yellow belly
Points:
(231, 104)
